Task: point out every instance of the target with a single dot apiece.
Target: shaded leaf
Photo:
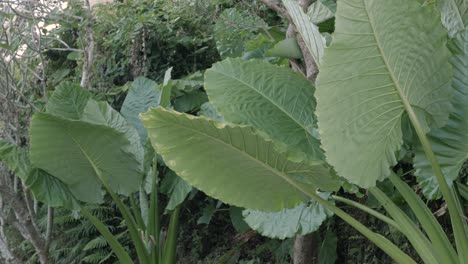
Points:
(300, 220)
(76, 151)
(190, 101)
(237, 220)
(449, 143)
(50, 190)
(143, 94)
(100, 113)
(207, 109)
(321, 10)
(207, 213)
(454, 15)
(176, 188)
(327, 252)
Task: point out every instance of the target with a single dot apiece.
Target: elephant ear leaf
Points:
(50, 190)
(68, 100)
(272, 99)
(143, 94)
(234, 163)
(300, 220)
(449, 143)
(89, 145)
(46, 188)
(321, 10)
(376, 70)
(175, 188)
(454, 15)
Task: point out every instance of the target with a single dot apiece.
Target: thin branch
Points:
(50, 227)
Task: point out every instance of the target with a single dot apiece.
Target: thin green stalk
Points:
(116, 247)
(456, 215)
(143, 256)
(137, 214)
(384, 244)
(420, 242)
(429, 223)
(143, 198)
(171, 240)
(368, 210)
(153, 216)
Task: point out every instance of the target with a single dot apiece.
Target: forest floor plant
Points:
(388, 66)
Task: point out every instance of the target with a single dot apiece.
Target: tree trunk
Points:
(305, 247)
(305, 250)
(87, 70)
(25, 224)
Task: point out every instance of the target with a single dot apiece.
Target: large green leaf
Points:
(16, 158)
(309, 32)
(300, 220)
(143, 94)
(272, 99)
(376, 69)
(176, 188)
(100, 113)
(233, 163)
(327, 251)
(454, 15)
(46, 188)
(75, 151)
(50, 190)
(321, 10)
(449, 143)
(190, 101)
(68, 101)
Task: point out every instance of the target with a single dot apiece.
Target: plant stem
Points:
(116, 247)
(368, 210)
(50, 226)
(153, 221)
(142, 253)
(171, 240)
(384, 244)
(456, 215)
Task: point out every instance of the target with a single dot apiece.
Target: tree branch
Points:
(24, 224)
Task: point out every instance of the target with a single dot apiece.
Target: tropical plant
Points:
(87, 129)
(386, 73)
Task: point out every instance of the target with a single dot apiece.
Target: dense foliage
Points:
(212, 131)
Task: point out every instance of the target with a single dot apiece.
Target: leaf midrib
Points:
(405, 101)
(282, 175)
(96, 170)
